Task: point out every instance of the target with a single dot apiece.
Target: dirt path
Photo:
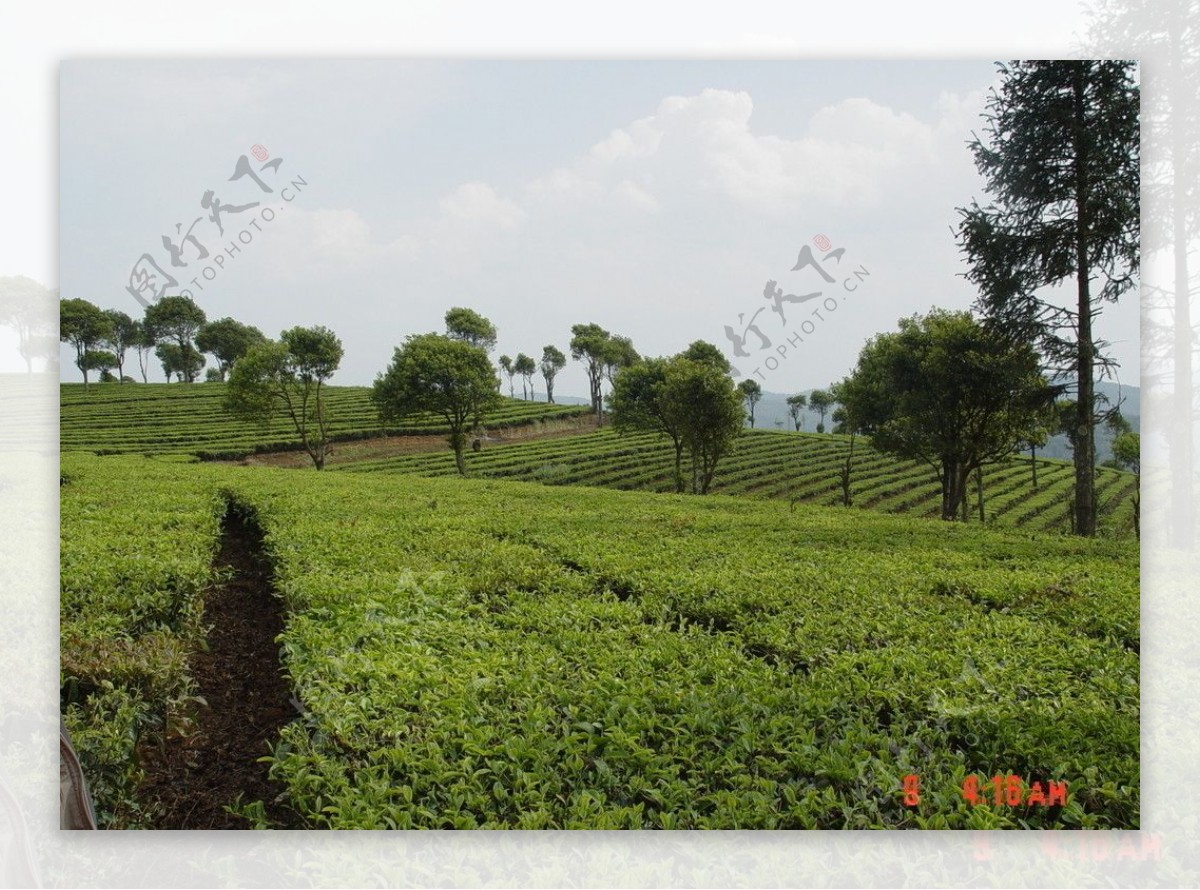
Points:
(383, 447)
(192, 779)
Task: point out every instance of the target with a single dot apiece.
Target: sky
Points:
(656, 199)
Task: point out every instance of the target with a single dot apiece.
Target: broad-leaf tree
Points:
(178, 320)
(552, 362)
(638, 404)
(752, 392)
(618, 353)
(124, 334)
(820, 400)
(85, 326)
(28, 308)
(706, 403)
(227, 340)
(706, 353)
(437, 374)
(143, 345)
(507, 367)
(947, 391)
(796, 405)
(101, 360)
(184, 362)
(526, 368)
(1060, 159)
(470, 327)
(589, 344)
(288, 376)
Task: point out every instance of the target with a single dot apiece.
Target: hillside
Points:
(162, 418)
(801, 467)
(471, 653)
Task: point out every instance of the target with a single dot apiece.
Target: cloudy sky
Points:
(654, 198)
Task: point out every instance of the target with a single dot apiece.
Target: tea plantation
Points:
(487, 653)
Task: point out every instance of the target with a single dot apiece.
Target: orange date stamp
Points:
(1000, 790)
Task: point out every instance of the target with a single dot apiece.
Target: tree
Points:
(796, 405)
(506, 365)
(1127, 455)
(99, 360)
(470, 327)
(123, 333)
(618, 353)
(526, 368)
(752, 393)
(1062, 162)
(553, 361)
(589, 345)
(227, 340)
(288, 375)
(185, 362)
(947, 391)
(708, 408)
(28, 308)
(142, 343)
(1045, 424)
(705, 353)
(437, 374)
(85, 326)
(821, 401)
(639, 403)
(179, 320)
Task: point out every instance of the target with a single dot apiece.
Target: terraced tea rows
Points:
(797, 466)
(485, 653)
(177, 419)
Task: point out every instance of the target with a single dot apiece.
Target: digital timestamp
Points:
(1000, 791)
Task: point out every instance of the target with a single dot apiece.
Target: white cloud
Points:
(477, 204)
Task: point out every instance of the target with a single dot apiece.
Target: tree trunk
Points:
(1033, 464)
(679, 483)
(1085, 447)
(979, 492)
(460, 459)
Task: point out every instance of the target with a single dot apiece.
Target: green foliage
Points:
(177, 320)
(85, 326)
(705, 353)
(552, 362)
(1061, 160)
(227, 340)
(946, 391)
(184, 361)
(486, 654)
(125, 333)
(589, 344)
(751, 391)
(288, 377)
(707, 408)
(98, 360)
(821, 400)
(796, 405)
(162, 419)
(470, 327)
(525, 366)
(440, 375)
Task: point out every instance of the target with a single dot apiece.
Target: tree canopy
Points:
(470, 327)
(288, 376)
(438, 374)
(227, 340)
(1060, 158)
(179, 320)
(946, 391)
(693, 403)
(552, 362)
(752, 392)
(85, 326)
